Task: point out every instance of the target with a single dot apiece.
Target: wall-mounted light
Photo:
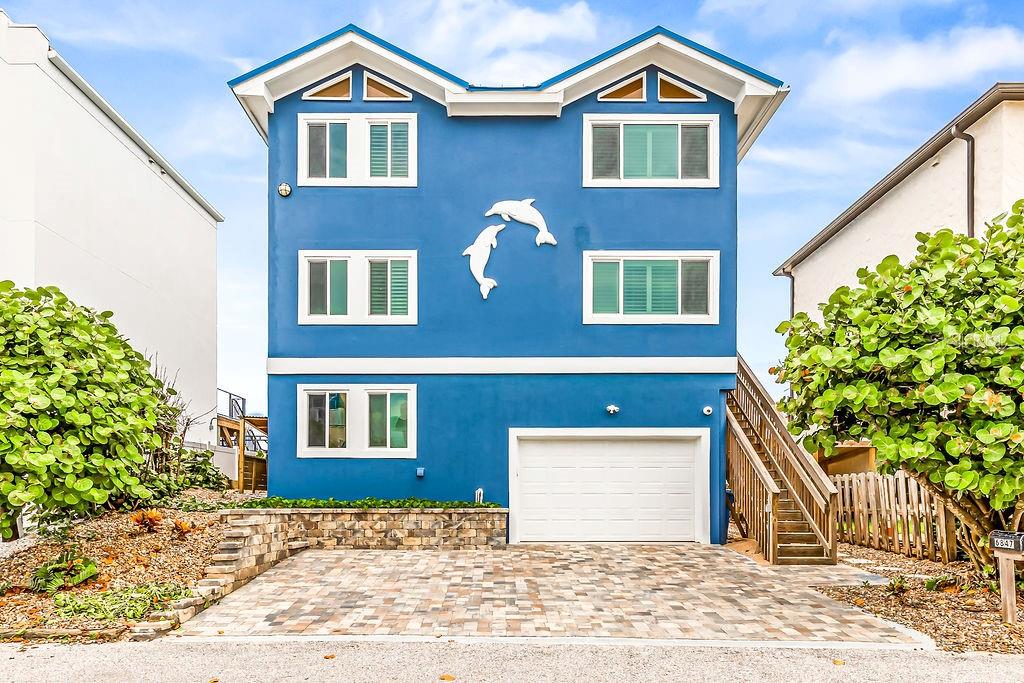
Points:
(421, 472)
(611, 409)
(708, 410)
(284, 189)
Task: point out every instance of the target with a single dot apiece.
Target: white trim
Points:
(526, 365)
(406, 95)
(311, 93)
(714, 288)
(700, 97)
(357, 428)
(358, 156)
(702, 464)
(709, 120)
(358, 287)
(642, 76)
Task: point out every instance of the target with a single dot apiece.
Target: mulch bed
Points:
(126, 556)
(961, 617)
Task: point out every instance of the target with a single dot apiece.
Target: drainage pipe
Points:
(969, 139)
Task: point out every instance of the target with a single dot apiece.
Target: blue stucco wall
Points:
(462, 439)
(464, 166)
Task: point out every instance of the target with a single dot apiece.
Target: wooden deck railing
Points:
(814, 494)
(755, 494)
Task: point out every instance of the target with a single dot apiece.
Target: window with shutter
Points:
(357, 287)
(655, 287)
(650, 150)
(358, 150)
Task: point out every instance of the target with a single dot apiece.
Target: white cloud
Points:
(774, 16)
(493, 42)
(869, 71)
(214, 128)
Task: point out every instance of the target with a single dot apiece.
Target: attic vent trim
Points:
(383, 91)
(633, 89)
(338, 89)
(671, 90)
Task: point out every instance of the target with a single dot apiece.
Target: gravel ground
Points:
(963, 616)
(311, 660)
(9, 548)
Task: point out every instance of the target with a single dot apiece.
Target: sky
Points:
(871, 80)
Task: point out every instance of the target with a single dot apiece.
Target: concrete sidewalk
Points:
(309, 659)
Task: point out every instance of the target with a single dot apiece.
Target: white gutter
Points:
(133, 134)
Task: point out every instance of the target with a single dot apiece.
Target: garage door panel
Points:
(612, 489)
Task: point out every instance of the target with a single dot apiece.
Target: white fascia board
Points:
(507, 365)
(747, 135)
(498, 103)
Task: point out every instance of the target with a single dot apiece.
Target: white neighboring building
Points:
(88, 205)
(968, 173)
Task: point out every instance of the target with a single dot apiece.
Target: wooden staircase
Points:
(781, 497)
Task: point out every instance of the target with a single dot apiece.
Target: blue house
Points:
(524, 293)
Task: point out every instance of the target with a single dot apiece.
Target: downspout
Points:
(969, 139)
(792, 293)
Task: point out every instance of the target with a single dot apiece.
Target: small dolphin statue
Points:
(523, 211)
(479, 253)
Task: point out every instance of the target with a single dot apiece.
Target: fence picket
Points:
(893, 513)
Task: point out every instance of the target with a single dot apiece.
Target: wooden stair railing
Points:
(755, 493)
(754, 413)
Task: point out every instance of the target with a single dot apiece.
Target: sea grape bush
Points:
(926, 360)
(78, 407)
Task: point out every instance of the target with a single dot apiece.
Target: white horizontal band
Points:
(558, 365)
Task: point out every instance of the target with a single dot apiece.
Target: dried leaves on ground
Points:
(127, 556)
(961, 614)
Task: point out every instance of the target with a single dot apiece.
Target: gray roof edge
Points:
(1000, 92)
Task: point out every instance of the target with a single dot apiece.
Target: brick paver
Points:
(623, 591)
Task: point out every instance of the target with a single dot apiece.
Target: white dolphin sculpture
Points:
(523, 211)
(479, 253)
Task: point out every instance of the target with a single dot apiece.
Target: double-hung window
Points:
(357, 149)
(650, 150)
(356, 421)
(635, 288)
(359, 287)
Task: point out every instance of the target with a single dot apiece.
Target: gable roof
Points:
(1000, 92)
(756, 95)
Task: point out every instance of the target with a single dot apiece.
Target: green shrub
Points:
(362, 504)
(66, 570)
(129, 603)
(926, 361)
(197, 470)
(79, 407)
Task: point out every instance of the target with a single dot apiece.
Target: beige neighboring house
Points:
(88, 205)
(966, 174)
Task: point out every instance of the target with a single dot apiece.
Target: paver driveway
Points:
(622, 591)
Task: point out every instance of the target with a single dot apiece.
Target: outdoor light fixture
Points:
(708, 410)
(421, 471)
(284, 189)
(611, 408)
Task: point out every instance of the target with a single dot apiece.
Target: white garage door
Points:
(606, 488)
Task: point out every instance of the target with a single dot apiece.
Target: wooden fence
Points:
(894, 513)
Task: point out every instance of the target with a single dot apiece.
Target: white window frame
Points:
(311, 93)
(709, 120)
(406, 95)
(358, 157)
(358, 287)
(603, 95)
(699, 96)
(357, 422)
(713, 257)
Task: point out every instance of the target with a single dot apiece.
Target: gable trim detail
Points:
(311, 94)
(698, 96)
(605, 95)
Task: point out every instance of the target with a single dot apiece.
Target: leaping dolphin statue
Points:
(523, 211)
(479, 253)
